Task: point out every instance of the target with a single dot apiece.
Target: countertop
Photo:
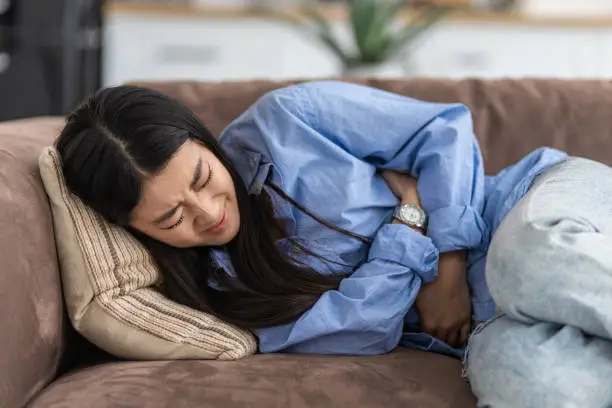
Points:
(338, 12)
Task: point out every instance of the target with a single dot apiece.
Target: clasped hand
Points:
(443, 304)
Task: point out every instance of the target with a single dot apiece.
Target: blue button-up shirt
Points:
(323, 144)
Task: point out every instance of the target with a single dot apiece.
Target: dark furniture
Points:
(50, 55)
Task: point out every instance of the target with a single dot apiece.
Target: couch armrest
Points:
(32, 319)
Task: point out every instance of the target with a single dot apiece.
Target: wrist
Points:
(411, 197)
(417, 229)
(452, 264)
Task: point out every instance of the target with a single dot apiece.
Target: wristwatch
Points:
(411, 215)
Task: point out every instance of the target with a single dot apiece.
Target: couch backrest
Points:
(512, 117)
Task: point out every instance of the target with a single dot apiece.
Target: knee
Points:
(517, 250)
(504, 371)
(527, 258)
(491, 379)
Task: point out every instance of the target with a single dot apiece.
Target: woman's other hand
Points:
(444, 304)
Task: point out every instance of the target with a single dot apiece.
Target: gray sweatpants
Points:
(549, 271)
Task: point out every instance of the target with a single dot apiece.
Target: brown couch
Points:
(44, 363)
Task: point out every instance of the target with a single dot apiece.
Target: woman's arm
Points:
(433, 142)
(443, 305)
(365, 316)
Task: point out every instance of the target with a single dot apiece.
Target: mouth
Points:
(219, 226)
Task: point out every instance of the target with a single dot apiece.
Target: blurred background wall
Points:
(55, 52)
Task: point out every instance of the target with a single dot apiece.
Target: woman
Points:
(340, 219)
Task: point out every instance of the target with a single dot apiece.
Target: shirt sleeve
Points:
(365, 315)
(434, 142)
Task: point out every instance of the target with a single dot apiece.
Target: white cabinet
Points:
(487, 50)
(304, 58)
(182, 47)
(186, 48)
(174, 48)
(604, 56)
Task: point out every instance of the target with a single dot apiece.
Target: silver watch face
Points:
(412, 215)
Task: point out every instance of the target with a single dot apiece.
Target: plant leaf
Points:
(361, 13)
(311, 22)
(416, 27)
(324, 31)
(373, 23)
(381, 30)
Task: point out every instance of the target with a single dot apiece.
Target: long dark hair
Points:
(122, 135)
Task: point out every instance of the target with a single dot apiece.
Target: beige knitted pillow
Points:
(109, 282)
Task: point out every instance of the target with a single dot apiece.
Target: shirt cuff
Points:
(405, 246)
(457, 227)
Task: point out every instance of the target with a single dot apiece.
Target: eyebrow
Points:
(196, 177)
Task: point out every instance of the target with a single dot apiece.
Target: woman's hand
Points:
(403, 186)
(444, 305)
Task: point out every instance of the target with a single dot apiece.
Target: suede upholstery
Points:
(45, 364)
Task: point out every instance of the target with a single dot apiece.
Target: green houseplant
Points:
(379, 34)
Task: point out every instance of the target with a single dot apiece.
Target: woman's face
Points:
(191, 202)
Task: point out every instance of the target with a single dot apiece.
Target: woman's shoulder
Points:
(296, 98)
(303, 94)
(303, 88)
(276, 109)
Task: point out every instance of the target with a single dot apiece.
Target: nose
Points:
(204, 209)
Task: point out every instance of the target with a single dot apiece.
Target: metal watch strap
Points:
(411, 215)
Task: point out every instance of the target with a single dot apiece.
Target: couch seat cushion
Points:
(400, 379)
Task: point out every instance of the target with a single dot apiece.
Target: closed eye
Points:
(176, 224)
(210, 173)
(196, 178)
